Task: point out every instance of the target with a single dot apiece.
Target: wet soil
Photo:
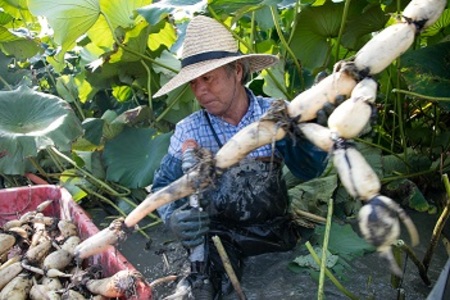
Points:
(267, 276)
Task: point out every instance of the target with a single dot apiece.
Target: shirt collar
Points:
(248, 118)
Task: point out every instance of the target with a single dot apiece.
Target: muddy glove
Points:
(189, 225)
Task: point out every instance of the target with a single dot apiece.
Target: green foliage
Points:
(426, 71)
(344, 244)
(30, 122)
(106, 59)
(133, 156)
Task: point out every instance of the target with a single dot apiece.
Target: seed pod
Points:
(384, 48)
(18, 288)
(117, 285)
(245, 141)
(317, 134)
(8, 273)
(423, 13)
(355, 173)
(306, 104)
(350, 118)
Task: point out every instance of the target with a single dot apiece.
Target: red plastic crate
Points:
(17, 201)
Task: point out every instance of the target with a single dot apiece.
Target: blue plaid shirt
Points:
(196, 127)
(302, 158)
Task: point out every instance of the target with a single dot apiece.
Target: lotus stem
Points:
(426, 97)
(438, 227)
(329, 274)
(228, 268)
(410, 252)
(89, 175)
(323, 263)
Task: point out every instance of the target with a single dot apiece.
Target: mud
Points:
(268, 276)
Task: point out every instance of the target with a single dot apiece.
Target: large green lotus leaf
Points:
(315, 26)
(313, 195)
(236, 6)
(182, 104)
(11, 76)
(271, 86)
(17, 9)
(94, 130)
(31, 121)
(100, 35)
(20, 4)
(121, 12)
(132, 157)
(162, 34)
(344, 241)
(69, 18)
(362, 23)
(426, 71)
(5, 18)
(18, 46)
(157, 11)
(135, 40)
(439, 25)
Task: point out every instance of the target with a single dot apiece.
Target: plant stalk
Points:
(426, 97)
(323, 263)
(329, 274)
(88, 174)
(422, 270)
(438, 227)
(228, 268)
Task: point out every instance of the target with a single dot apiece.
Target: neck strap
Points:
(212, 128)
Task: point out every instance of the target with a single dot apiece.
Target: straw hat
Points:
(207, 46)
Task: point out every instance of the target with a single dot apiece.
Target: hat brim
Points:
(257, 62)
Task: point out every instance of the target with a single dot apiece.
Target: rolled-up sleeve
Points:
(302, 158)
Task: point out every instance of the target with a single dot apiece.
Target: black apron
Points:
(248, 211)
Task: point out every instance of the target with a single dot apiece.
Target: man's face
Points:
(215, 90)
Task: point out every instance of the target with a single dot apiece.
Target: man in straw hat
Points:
(247, 206)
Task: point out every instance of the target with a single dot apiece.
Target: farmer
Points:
(247, 206)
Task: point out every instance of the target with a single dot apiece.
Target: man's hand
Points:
(189, 226)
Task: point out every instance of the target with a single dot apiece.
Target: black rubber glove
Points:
(189, 226)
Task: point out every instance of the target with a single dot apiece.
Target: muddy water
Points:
(268, 277)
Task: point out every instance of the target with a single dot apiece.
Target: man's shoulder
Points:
(261, 104)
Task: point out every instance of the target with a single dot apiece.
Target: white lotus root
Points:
(350, 79)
